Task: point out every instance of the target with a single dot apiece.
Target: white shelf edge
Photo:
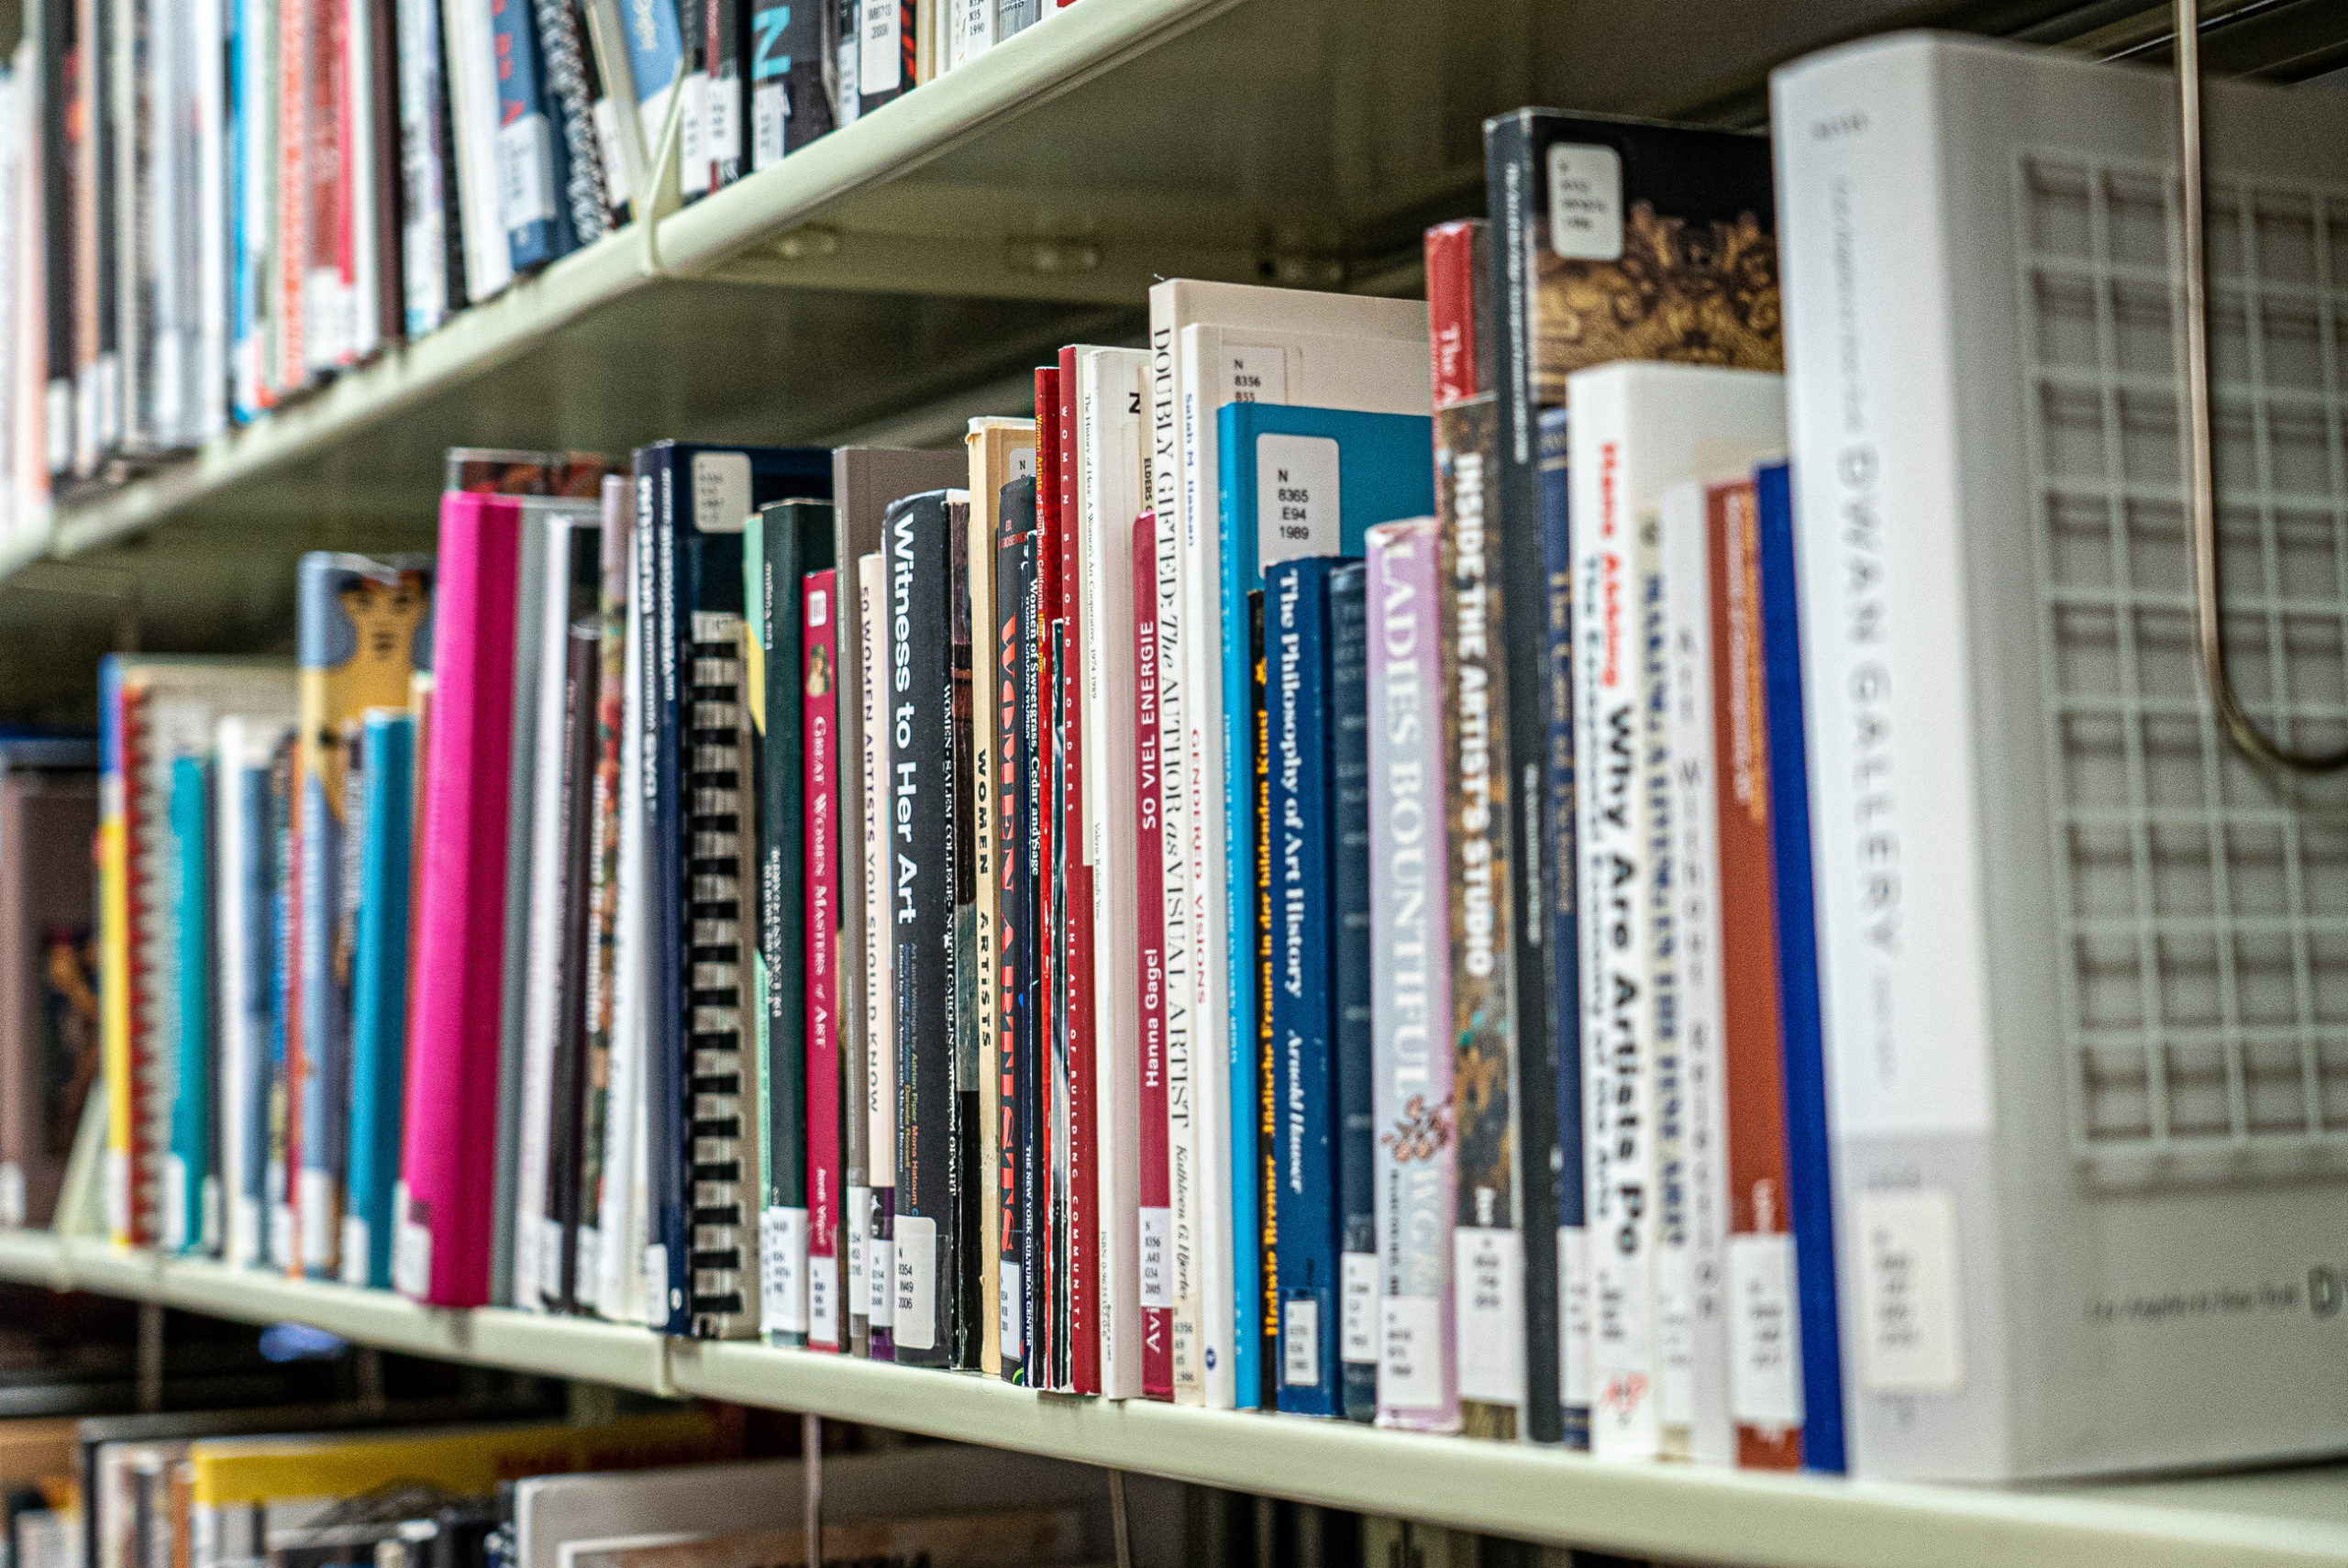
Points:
(1667, 1512)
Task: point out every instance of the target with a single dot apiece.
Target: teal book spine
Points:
(191, 1213)
(379, 995)
(1295, 481)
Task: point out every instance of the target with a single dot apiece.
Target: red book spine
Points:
(297, 1056)
(141, 1162)
(1043, 1339)
(1076, 932)
(1753, 1046)
(1149, 935)
(294, 21)
(820, 765)
(344, 304)
(1451, 309)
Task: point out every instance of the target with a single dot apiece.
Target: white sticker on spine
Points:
(881, 1266)
(859, 1231)
(1157, 1279)
(823, 1302)
(525, 172)
(1909, 1337)
(1675, 1323)
(174, 1204)
(1765, 1365)
(1585, 202)
(881, 66)
(916, 1273)
(355, 1247)
(783, 1271)
(1300, 1343)
(1296, 498)
(1573, 1317)
(1012, 1320)
(770, 113)
(1357, 1277)
(721, 491)
(1487, 1286)
(1410, 1362)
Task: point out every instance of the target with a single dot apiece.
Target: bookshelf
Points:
(2288, 1519)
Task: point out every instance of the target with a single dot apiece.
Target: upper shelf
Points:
(2285, 1518)
(930, 250)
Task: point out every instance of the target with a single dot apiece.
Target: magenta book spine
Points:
(449, 1151)
(820, 759)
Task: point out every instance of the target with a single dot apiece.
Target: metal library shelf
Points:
(2278, 1518)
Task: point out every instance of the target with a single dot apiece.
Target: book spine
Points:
(1174, 797)
(61, 137)
(655, 44)
(1084, 1225)
(244, 958)
(532, 174)
(1614, 570)
(600, 943)
(187, 1173)
(880, 951)
(388, 303)
(789, 107)
(569, 98)
(1299, 829)
(442, 1249)
(1488, 1265)
(1015, 916)
(379, 998)
(726, 83)
(116, 913)
(1810, 1146)
(1692, 1261)
(1561, 883)
(1149, 928)
(1411, 1088)
(284, 1014)
(692, 96)
(985, 1157)
(965, 1182)
(668, 1283)
(1045, 1277)
(324, 302)
(819, 623)
(1033, 1052)
(920, 902)
(1357, 1282)
(1764, 1367)
(561, 1262)
(1251, 1025)
(774, 575)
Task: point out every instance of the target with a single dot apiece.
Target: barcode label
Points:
(525, 171)
(724, 119)
(823, 1302)
(882, 67)
(859, 1232)
(356, 1245)
(692, 135)
(174, 1204)
(1157, 1278)
(770, 116)
(1573, 1312)
(916, 1271)
(881, 1265)
(550, 1239)
(1011, 1318)
(1357, 1342)
(1488, 1282)
(782, 1272)
(1300, 1343)
(1410, 1364)
(1763, 1366)
(410, 1249)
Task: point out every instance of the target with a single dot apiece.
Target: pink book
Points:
(447, 1164)
(1149, 885)
(821, 762)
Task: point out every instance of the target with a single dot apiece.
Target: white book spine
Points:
(211, 335)
(1613, 568)
(879, 1013)
(1694, 1259)
(471, 54)
(1111, 427)
(1173, 721)
(231, 909)
(1204, 389)
(618, 1289)
(1871, 336)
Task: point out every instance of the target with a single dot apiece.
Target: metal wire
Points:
(2200, 457)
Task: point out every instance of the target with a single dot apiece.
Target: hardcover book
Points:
(2081, 1086)
(1155, 1107)
(244, 937)
(1017, 1029)
(820, 705)
(191, 1187)
(49, 1004)
(379, 997)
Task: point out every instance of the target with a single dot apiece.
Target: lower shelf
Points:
(2297, 1517)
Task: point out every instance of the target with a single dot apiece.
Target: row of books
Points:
(1303, 878)
(213, 205)
(411, 1484)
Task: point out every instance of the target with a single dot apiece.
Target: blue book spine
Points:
(533, 166)
(1333, 473)
(253, 993)
(378, 996)
(324, 1005)
(656, 51)
(234, 67)
(277, 1201)
(1349, 877)
(1300, 827)
(1564, 939)
(192, 1194)
(1809, 1133)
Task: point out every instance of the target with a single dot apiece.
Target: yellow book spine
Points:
(114, 983)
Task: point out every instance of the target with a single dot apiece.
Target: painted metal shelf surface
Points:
(2274, 1519)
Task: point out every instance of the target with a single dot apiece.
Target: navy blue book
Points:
(1808, 1140)
(1301, 831)
(1557, 882)
(1357, 1130)
(1014, 694)
(693, 506)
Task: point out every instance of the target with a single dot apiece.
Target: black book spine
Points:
(581, 675)
(664, 828)
(1014, 814)
(453, 216)
(1029, 1062)
(104, 398)
(568, 92)
(727, 121)
(789, 104)
(60, 83)
(967, 1128)
(779, 624)
(1357, 1148)
(921, 903)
